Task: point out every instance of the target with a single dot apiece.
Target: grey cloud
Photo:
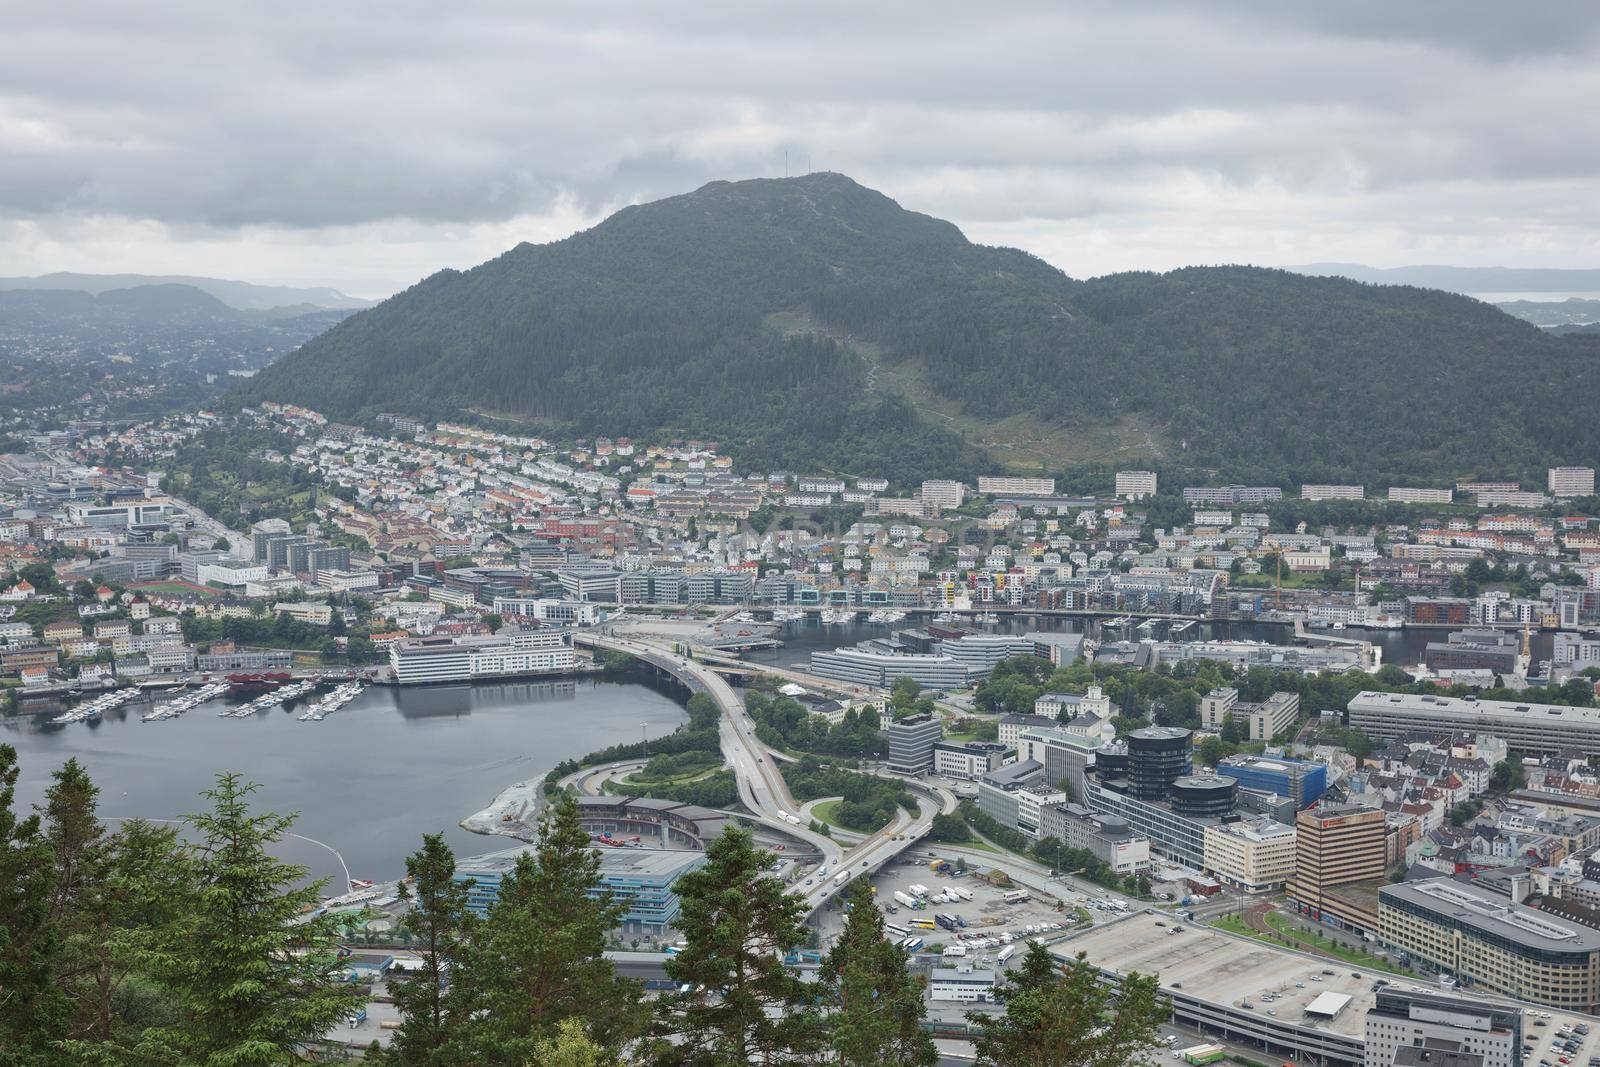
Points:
(311, 118)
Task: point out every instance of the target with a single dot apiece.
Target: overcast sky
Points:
(366, 145)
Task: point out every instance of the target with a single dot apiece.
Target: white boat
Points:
(91, 710)
(335, 700)
(171, 709)
(268, 701)
(788, 615)
(947, 616)
(831, 616)
(988, 618)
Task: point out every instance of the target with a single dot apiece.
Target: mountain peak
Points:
(814, 322)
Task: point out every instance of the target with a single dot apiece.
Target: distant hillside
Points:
(813, 322)
(243, 296)
(1466, 279)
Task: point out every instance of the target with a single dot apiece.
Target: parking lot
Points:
(985, 923)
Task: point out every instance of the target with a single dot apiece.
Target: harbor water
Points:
(368, 780)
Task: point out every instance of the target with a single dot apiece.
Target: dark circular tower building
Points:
(1203, 796)
(1157, 757)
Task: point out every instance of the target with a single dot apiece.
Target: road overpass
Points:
(762, 787)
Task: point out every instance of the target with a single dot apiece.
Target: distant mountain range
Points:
(813, 323)
(1468, 280)
(242, 296)
(143, 307)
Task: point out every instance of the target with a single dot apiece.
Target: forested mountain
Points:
(814, 322)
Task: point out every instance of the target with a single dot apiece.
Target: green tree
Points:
(537, 958)
(435, 1002)
(876, 1003)
(1507, 775)
(77, 903)
(1072, 1020)
(250, 979)
(27, 937)
(1037, 970)
(742, 1006)
(571, 1046)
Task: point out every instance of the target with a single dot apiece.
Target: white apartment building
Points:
(1409, 495)
(1332, 492)
(1001, 486)
(1510, 498)
(1570, 481)
(1135, 485)
(943, 494)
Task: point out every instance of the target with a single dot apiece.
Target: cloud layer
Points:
(365, 145)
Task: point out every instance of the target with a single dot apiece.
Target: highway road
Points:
(761, 785)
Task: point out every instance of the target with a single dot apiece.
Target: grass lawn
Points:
(1289, 937)
(677, 779)
(827, 811)
(1326, 946)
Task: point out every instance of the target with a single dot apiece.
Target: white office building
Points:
(510, 653)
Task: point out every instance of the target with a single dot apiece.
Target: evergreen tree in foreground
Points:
(434, 1002)
(743, 1006)
(1070, 1019)
(252, 980)
(27, 938)
(537, 959)
(877, 1004)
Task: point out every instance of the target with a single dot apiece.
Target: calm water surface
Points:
(369, 779)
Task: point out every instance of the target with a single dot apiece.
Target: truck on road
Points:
(841, 878)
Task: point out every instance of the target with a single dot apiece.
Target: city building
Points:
(1157, 757)
(911, 742)
(1405, 495)
(1203, 796)
(1486, 941)
(1231, 495)
(879, 662)
(968, 760)
(1405, 1019)
(1570, 481)
(510, 653)
(1065, 755)
(1544, 729)
(1332, 492)
(1176, 836)
(962, 984)
(941, 493)
(989, 485)
(1136, 485)
(1489, 650)
(1108, 837)
(640, 878)
(1339, 857)
(1302, 781)
(1253, 857)
(999, 791)
(1263, 721)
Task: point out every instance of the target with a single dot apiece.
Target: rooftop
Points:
(1488, 711)
(1227, 969)
(1494, 914)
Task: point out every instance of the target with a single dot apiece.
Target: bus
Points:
(923, 924)
(1016, 896)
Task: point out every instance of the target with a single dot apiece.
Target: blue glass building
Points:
(642, 879)
(1302, 781)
